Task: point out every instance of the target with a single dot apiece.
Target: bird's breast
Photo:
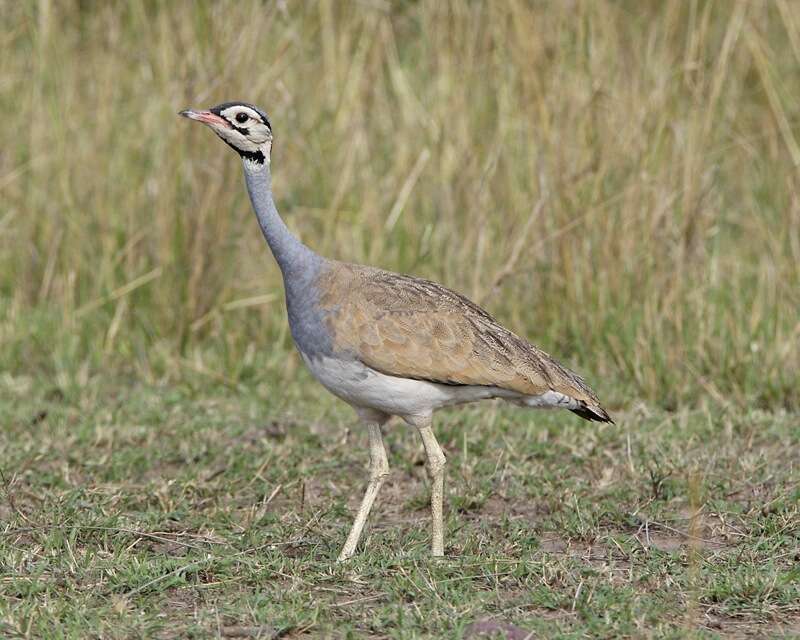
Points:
(306, 318)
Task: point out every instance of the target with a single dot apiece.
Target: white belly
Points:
(361, 386)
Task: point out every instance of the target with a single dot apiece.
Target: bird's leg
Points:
(436, 462)
(378, 470)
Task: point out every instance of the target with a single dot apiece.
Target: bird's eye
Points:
(242, 117)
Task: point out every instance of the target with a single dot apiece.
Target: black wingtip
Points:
(593, 414)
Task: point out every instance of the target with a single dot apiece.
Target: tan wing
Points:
(414, 328)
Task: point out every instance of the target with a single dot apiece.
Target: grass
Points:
(199, 511)
(616, 180)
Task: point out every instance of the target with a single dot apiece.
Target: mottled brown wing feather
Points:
(413, 328)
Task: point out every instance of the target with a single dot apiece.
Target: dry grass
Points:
(616, 180)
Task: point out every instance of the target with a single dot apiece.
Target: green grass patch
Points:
(141, 511)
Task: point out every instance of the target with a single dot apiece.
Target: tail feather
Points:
(593, 414)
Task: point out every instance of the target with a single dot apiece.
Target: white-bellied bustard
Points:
(390, 344)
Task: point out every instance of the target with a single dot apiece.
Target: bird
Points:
(390, 344)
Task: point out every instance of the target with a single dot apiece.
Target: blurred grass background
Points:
(618, 181)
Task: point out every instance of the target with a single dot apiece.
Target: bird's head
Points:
(243, 127)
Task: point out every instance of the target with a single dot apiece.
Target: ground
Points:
(204, 511)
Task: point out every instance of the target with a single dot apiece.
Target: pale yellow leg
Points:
(436, 463)
(378, 470)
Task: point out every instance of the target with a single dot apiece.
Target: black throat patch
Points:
(255, 156)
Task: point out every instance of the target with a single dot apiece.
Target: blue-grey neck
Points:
(293, 257)
(299, 265)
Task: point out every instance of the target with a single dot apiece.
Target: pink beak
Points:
(206, 117)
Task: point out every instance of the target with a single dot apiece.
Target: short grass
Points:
(204, 511)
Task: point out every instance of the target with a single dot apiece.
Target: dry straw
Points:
(646, 153)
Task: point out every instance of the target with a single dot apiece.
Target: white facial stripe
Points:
(230, 113)
(236, 139)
